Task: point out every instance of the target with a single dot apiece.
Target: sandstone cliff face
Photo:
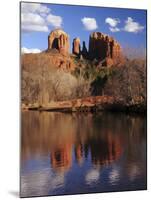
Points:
(104, 48)
(76, 49)
(32, 62)
(59, 40)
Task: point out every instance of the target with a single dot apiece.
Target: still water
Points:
(82, 153)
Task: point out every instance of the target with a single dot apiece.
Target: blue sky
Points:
(127, 26)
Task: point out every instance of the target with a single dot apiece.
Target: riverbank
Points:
(88, 104)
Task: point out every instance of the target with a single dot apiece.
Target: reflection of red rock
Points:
(103, 151)
(61, 158)
(106, 151)
(79, 153)
(115, 147)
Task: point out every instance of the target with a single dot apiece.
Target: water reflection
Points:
(92, 176)
(61, 158)
(114, 176)
(66, 154)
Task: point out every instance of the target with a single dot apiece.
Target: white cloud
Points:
(32, 19)
(114, 29)
(37, 17)
(34, 8)
(34, 28)
(33, 22)
(132, 26)
(53, 20)
(26, 50)
(89, 23)
(113, 22)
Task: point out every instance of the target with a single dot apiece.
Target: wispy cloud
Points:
(113, 22)
(38, 17)
(114, 29)
(132, 26)
(129, 26)
(89, 23)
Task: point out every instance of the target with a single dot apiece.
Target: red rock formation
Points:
(61, 158)
(59, 40)
(76, 46)
(34, 62)
(84, 52)
(104, 48)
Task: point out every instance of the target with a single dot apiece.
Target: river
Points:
(82, 153)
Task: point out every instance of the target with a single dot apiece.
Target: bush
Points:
(128, 82)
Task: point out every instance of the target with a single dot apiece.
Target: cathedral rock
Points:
(59, 40)
(104, 48)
